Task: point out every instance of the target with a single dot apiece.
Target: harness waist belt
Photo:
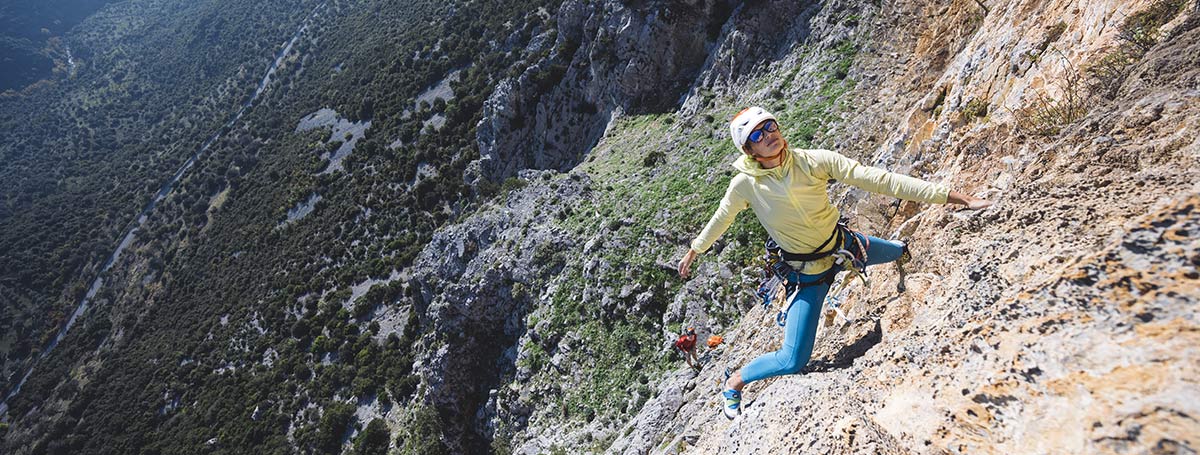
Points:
(837, 233)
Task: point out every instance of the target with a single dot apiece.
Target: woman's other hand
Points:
(972, 202)
(685, 264)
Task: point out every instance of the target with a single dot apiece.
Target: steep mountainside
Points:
(1058, 321)
(1018, 330)
(453, 227)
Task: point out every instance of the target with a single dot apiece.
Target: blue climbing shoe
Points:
(733, 403)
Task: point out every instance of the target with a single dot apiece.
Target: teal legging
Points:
(800, 330)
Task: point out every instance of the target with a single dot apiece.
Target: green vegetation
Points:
(422, 433)
(621, 352)
(373, 440)
(810, 117)
(617, 368)
(975, 109)
(82, 156)
(31, 39)
(1143, 29)
(327, 436)
(1137, 34)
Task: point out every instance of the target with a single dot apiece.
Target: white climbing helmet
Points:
(744, 122)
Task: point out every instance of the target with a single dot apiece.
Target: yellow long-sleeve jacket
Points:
(792, 201)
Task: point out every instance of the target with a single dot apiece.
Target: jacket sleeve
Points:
(731, 204)
(877, 180)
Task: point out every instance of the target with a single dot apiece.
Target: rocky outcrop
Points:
(474, 281)
(608, 58)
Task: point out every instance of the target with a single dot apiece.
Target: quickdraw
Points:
(855, 268)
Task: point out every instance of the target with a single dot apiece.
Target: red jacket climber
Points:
(687, 344)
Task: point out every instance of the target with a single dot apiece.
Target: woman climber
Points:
(787, 189)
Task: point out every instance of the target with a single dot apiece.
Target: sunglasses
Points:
(759, 134)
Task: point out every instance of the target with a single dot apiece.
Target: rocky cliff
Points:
(1059, 320)
(603, 59)
(420, 297)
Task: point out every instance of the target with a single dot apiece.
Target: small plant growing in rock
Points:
(512, 184)
(1137, 35)
(1143, 29)
(977, 108)
(1106, 75)
(653, 158)
(1045, 115)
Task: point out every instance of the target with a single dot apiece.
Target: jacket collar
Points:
(747, 165)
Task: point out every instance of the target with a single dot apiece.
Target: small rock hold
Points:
(725, 273)
(661, 234)
(591, 245)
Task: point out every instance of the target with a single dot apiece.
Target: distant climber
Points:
(687, 344)
(787, 189)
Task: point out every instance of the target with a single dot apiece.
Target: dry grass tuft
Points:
(1103, 77)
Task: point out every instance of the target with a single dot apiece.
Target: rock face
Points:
(1057, 321)
(473, 284)
(608, 58)
(1047, 324)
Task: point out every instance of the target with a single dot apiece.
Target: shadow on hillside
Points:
(845, 357)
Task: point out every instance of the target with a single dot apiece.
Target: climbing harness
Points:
(838, 237)
(777, 271)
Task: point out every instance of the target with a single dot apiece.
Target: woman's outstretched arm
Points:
(731, 204)
(880, 181)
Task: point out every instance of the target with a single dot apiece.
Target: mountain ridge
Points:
(464, 289)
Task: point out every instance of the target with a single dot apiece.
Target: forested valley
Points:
(87, 149)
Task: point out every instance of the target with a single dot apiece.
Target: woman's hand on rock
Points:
(972, 202)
